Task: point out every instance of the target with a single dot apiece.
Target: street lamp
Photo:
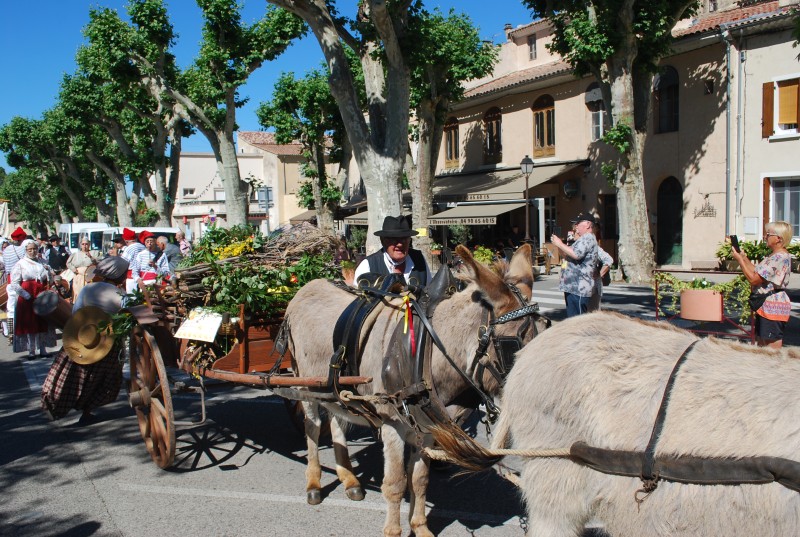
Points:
(526, 165)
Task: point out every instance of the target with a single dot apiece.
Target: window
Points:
(219, 194)
(451, 143)
(544, 127)
(594, 103)
(780, 107)
(712, 6)
(550, 217)
(492, 143)
(665, 100)
(188, 192)
(532, 47)
(786, 203)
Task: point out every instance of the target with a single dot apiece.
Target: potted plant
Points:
(702, 300)
(348, 270)
(794, 249)
(461, 234)
(436, 248)
(483, 255)
(754, 250)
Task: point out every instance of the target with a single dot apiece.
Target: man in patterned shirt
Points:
(577, 278)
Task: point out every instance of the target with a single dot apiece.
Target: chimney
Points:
(507, 29)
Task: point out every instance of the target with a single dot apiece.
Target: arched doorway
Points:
(669, 232)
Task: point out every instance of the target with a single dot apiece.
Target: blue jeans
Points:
(576, 305)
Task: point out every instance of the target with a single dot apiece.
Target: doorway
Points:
(669, 228)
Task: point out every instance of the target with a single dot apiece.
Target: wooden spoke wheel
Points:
(150, 397)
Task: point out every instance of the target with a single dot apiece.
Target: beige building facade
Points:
(708, 169)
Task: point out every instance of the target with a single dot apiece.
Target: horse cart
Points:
(243, 352)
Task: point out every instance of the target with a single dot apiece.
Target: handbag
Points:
(757, 300)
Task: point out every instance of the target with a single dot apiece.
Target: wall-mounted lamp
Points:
(212, 215)
(570, 189)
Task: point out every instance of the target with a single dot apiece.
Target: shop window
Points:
(780, 107)
(492, 142)
(451, 143)
(544, 127)
(665, 100)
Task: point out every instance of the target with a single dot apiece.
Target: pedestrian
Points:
(144, 266)
(117, 245)
(79, 262)
(86, 373)
(515, 238)
(768, 281)
(12, 254)
(396, 255)
(4, 288)
(129, 253)
(604, 262)
(184, 245)
(56, 255)
(172, 254)
(577, 278)
(43, 245)
(29, 278)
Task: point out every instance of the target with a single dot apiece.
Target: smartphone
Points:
(735, 243)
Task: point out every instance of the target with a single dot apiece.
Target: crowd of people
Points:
(85, 373)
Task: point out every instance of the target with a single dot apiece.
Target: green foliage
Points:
(483, 255)
(735, 293)
(357, 239)
(146, 218)
(754, 250)
(217, 238)
(461, 234)
(619, 137)
(609, 171)
(793, 248)
(305, 194)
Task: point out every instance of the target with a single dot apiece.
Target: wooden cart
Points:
(251, 359)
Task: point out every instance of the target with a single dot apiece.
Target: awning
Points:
(358, 219)
(500, 185)
(303, 217)
(472, 215)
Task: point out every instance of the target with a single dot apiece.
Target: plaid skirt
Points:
(82, 387)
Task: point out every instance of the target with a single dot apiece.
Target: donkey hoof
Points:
(355, 493)
(314, 497)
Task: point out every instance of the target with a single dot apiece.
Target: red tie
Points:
(400, 268)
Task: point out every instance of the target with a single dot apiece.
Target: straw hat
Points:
(83, 343)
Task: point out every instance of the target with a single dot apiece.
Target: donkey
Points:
(600, 379)
(311, 317)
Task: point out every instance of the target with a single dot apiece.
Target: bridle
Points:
(505, 346)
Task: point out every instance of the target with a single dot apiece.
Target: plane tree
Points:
(620, 43)
(304, 109)
(207, 93)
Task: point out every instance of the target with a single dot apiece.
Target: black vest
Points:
(419, 273)
(57, 258)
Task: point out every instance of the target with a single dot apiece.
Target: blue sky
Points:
(39, 39)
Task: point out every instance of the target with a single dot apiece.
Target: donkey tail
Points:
(459, 448)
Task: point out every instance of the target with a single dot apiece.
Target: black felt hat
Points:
(584, 216)
(396, 226)
(54, 238)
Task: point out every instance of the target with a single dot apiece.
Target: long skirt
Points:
(30, 330)
(82, 387)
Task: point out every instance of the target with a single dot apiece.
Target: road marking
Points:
(365, 505)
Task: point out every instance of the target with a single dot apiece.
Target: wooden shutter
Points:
(765, 209)
(767, 109)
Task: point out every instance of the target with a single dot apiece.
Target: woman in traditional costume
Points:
(79, 262)
(29, 278)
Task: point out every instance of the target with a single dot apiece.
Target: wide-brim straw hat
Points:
(84, 341)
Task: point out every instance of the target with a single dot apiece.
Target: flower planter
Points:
(795, 264)
(701, 305)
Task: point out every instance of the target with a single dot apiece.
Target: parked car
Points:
(70, 233)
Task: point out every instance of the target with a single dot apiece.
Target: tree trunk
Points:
(324, 210)
(635, 243)
(422, 187)
(236, 190)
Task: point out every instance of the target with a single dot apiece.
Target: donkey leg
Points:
(419, 474)
(394, 479)
(344, 468)
(313, 424)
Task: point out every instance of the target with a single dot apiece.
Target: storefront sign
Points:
(465, 221)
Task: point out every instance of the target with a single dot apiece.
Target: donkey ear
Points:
(491, 286)
(520, 272)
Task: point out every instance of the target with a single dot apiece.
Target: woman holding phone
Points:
(768, 280)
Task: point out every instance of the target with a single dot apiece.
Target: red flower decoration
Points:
(293, 278)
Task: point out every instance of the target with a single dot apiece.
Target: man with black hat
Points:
(56, 255)
(577, 278)
(396, 255)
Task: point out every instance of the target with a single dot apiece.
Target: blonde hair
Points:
(781, 229)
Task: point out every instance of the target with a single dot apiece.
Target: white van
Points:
(107, 240)
(70, 234)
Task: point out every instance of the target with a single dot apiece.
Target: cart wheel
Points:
(149, 395)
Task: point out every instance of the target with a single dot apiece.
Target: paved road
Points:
(240, 474)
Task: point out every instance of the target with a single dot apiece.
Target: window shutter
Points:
(765, 209)
(787, 101)
(767, 107)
